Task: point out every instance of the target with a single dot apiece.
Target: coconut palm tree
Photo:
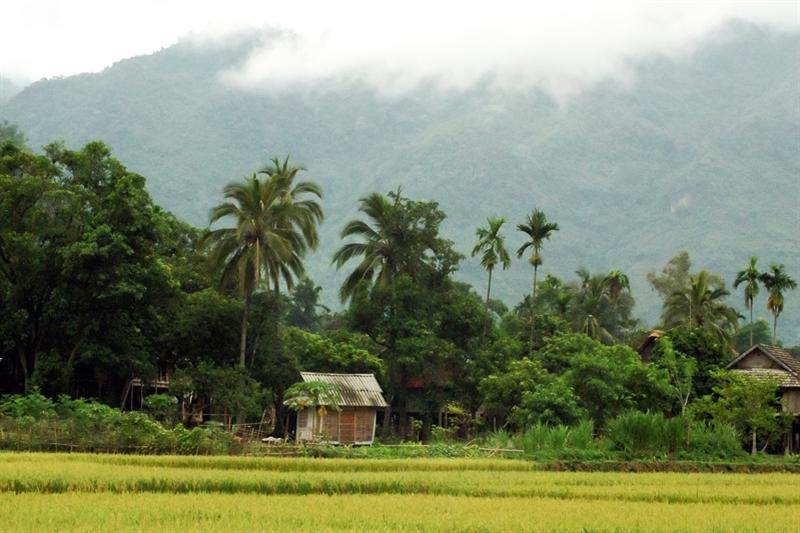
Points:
(597, 309)
(776, 281)
(380, 248)
(615, 282)
(492, 248)
(701, 304)
(274, 224)
(538, 229)
(751, 277)
(299, 213)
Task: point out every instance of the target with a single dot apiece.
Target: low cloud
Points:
(560, 48)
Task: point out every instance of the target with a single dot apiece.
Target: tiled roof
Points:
(784, 378)
(783, 356)
(788, 375)
(355, 390)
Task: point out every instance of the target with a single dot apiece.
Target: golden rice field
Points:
(57, 492)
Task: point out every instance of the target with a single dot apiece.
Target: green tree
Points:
(760, 332)
(298, 214)
(680, 370)
(702, 303)
(750, 405)
(553, 404)
(674, 276)
(537, 229)
(275, 222)
(709, 352)
(503, 391)
(11, 133)
(776, 281)
(607, 380)
(401, 236)
(750, 277)
(87, 269)
(616, 282)
(304, 305)
(492, 249)
(598, 307)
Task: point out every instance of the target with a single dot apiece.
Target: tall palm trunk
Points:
(243, 335)
(774, 328)
(751, 323)
(243, 346)
(489, 288)
(533, 315)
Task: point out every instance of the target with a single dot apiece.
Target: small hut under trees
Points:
(359, 398)
(773, 362)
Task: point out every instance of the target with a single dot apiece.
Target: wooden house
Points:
(360, 397)
(772, 362)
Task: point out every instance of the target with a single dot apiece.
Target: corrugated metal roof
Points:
(355, 390)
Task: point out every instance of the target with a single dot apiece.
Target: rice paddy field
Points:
(83, 492)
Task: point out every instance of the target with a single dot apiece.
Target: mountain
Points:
(7, 89)
(700, 153)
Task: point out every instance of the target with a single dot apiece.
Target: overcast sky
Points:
(558, 46)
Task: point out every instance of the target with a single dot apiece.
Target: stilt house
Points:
(360, 397)
(772, 362)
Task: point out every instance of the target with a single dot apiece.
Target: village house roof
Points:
(786, 369)
(355, 390)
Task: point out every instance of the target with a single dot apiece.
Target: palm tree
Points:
(776, 281)
(491, 245)
(615, 282)
(701, 304)
(538, 229)
(379, 250)
(299, 213)
(596, 308)
(273, 227)
(751, 277)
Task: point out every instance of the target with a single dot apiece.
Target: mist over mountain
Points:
(700, 153)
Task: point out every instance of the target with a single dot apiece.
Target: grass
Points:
(82, 492)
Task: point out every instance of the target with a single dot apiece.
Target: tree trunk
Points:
(533, 311)
(243, 337)
(489, 288)
(754, 449)
(23, 363)
(775, 328)
(751, 324)
(402, 414)
(386, 429)
(243, 346)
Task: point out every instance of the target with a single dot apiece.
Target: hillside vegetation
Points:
(700, 153)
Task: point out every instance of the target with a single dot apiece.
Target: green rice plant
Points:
(375, 512)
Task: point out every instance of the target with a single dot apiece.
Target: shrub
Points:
(639, 433)
(712, 440)
(442, 435)
(554, 438)
(162, 407)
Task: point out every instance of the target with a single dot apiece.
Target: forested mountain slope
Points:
(700, 153)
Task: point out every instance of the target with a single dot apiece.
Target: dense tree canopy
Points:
(100, 287)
